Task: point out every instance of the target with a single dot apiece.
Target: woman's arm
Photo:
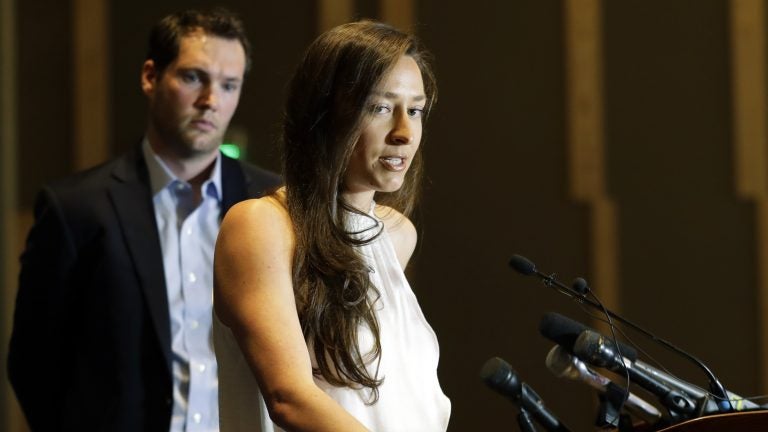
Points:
(253, 295)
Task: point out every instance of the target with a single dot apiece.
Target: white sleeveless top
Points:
(410, 398)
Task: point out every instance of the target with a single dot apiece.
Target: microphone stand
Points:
(524, 421)
(526, 267)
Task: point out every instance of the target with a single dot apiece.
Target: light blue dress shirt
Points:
(187, 238)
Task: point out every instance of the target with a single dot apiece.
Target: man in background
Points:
(112, 326)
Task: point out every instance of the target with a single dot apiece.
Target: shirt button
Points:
(201, 367)
(188, 231)
(194, 324)
(192, 277)
(197, 417)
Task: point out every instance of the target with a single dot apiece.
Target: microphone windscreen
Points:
(564, 332)
(522, 265)
(499, 375)
(561, 330)
(580, 286)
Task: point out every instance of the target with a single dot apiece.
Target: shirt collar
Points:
(160, 176)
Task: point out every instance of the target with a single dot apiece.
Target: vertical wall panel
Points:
(587, 180)
(750, 141)
(331, 13)
(91, 101)
(10, 415)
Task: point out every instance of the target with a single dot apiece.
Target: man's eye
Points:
(190, 77)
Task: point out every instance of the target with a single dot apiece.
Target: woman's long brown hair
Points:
(325, 111)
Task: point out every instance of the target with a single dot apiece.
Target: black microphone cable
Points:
(580, 286)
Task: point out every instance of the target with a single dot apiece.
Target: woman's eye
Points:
(230, 87)
(415, 112)
(381, 109)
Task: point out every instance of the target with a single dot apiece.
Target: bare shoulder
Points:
(254, 249)
(401, 230)
(262, 217)
(269, 208)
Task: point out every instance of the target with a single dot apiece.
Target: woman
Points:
(315, 321)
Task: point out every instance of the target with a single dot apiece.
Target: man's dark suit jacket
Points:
(91, 342)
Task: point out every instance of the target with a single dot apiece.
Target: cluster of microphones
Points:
(580, 349)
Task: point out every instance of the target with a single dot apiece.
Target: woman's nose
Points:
(402, 131)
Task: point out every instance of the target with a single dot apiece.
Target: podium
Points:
(749, 421)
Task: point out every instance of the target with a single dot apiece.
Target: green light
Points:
(231, 150)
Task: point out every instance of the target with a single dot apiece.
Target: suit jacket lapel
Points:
(131, 197)
(233, 182)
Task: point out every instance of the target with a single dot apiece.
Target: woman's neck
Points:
(359, 200)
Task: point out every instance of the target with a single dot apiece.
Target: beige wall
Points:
(9, 417)
(601, 146)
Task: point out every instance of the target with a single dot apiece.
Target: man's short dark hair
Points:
(165, 37)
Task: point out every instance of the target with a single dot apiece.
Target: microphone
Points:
(500, 377)
(526, 267)
(523, 265)
(598, 351)
(564, 332)
(711, 406)
(564, 365)
(580, 286)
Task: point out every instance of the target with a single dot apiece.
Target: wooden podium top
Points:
(749, 421)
